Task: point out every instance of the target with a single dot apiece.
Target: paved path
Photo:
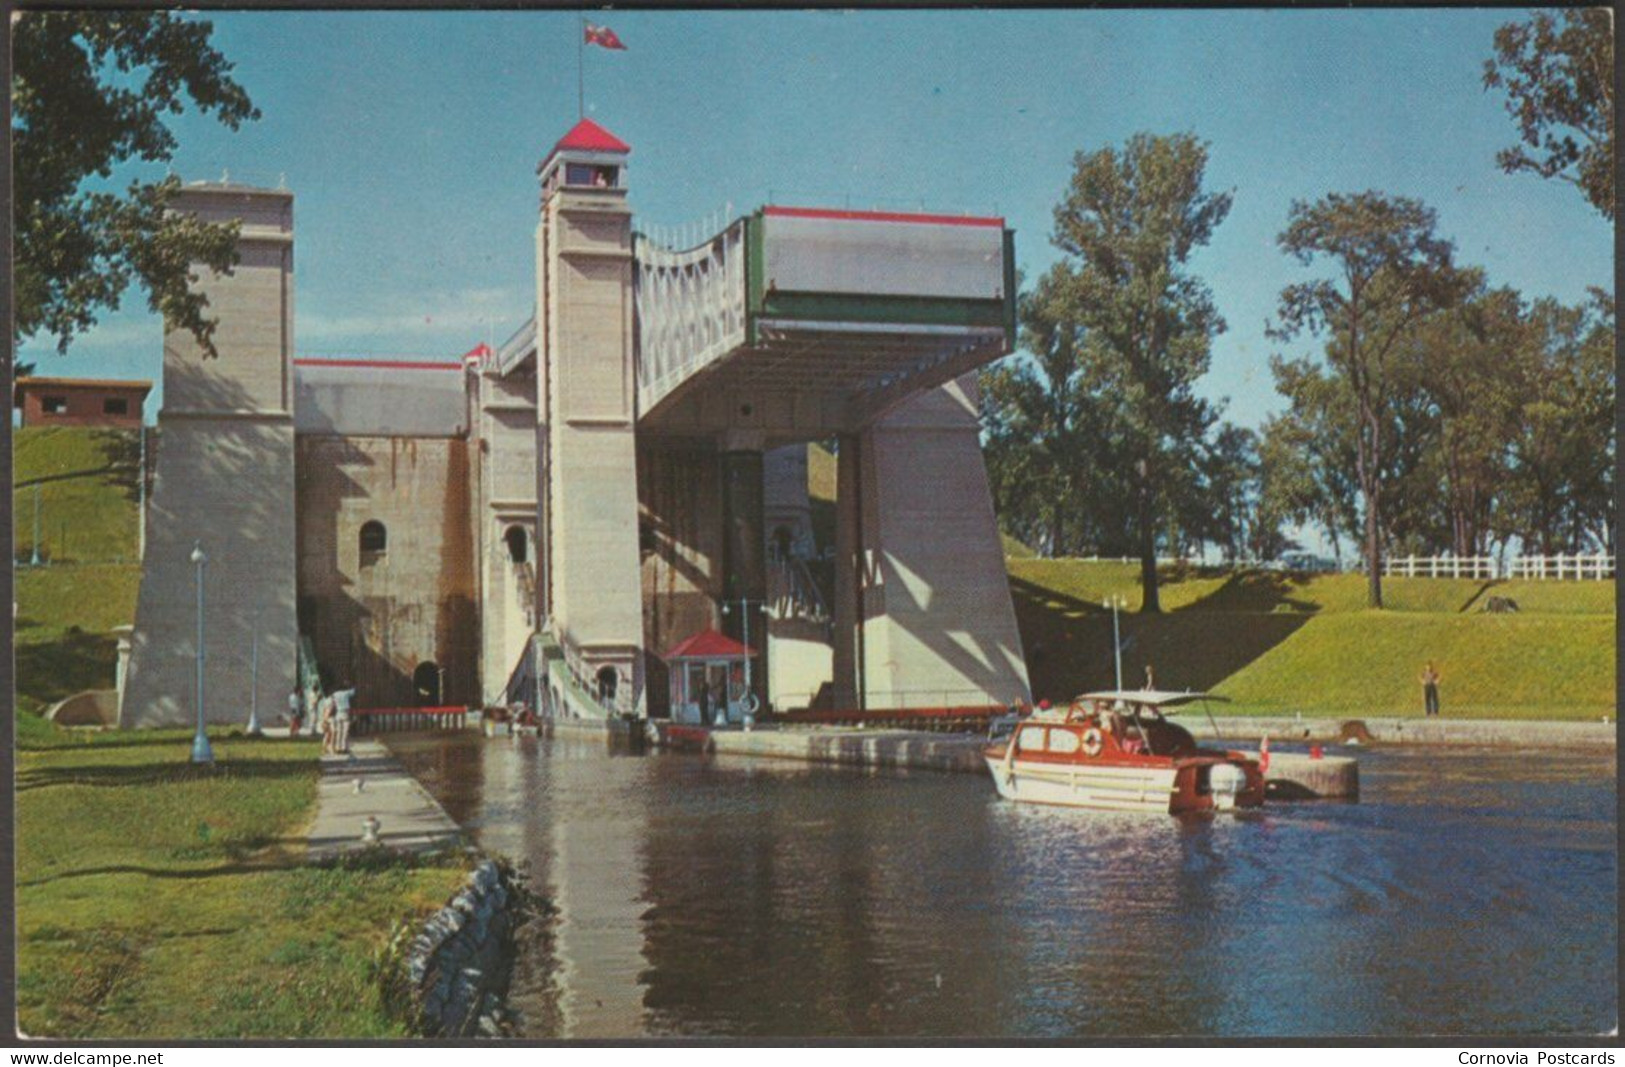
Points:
(410, 818)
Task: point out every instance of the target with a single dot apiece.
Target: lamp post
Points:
(1117, 644)
(35, 559)
(744, 619)
(254, 683)
(201, 752)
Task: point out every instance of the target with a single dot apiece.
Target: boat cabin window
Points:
(1063, 741)
(1031, 739)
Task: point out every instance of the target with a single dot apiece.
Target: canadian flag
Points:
(602, 36)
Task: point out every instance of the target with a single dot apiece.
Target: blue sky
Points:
(410, 141)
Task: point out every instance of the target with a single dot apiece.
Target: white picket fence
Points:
(1487, 568)
(1578, 568)
(1441, 567)
(1560, 567)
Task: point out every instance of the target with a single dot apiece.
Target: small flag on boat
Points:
(1264, 755)
(602, 36)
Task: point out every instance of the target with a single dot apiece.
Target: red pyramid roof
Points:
(708, 644)
(588, 136)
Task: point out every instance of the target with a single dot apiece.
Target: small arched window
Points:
(374, 540)
(518, 548)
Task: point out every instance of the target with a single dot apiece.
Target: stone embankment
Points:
(1521, 733)
(453, 979)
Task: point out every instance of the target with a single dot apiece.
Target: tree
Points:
(1469, 372)
(1560, 485)
(1225, 510)
(1558, 73)
(90, 92)
(1142, 325)
(1307, 456)
(1391, 272)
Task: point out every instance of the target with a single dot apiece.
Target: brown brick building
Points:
(81, 402)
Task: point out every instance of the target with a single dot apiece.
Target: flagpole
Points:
(581, 68)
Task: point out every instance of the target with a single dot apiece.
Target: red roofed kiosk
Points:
(703, 668)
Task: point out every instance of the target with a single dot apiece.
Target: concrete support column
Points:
(224, 478)
(934, 622)
(848, 606)
(744, 561)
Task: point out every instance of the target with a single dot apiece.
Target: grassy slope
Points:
(159, 900)
(81, 519)
(155, 900)
(1283, 643)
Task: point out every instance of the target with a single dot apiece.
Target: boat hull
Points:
(1168, 789)
(1147, 789)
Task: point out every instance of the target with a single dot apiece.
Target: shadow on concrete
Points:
(372, 630)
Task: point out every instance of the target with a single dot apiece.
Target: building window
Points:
(115, 405)
(599, 177)
(54, 405)
(517, 548)
(374, 540)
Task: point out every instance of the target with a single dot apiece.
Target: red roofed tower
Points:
(588, 589)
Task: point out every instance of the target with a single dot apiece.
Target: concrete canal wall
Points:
(1522, 733)
(1291, 776)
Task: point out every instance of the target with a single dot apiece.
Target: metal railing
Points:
(691, 308)
(401, 720)
(801, 596)
(964, 718)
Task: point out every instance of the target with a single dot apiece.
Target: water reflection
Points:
(1470, 892)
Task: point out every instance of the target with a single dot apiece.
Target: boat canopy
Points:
(1151, 698)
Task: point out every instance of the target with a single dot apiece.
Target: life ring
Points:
(1092, 742)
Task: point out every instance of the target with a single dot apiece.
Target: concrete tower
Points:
(225, 480)
(586, 415)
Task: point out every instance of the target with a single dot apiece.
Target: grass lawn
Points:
(82, 519)
(1282, 643)
(159, 900)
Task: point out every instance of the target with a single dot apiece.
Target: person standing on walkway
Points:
(1430, 689)
(341, 718)
(324, 722)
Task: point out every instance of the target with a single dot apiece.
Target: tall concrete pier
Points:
(586, 415)
(225, 481)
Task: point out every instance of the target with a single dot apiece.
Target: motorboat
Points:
(1118, 750)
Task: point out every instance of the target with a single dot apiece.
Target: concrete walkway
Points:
(410, 819)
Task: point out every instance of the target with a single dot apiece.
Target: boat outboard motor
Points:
(1225, 781)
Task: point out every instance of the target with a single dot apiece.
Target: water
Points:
(1469, 892)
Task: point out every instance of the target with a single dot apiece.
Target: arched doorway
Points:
(518, 543)
(782, 542)
(426, 684)
(608, 679)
